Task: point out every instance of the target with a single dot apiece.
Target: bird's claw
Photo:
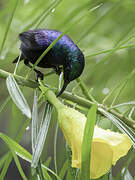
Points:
(58, 70)
(39, 75)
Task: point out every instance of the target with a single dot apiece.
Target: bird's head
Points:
(72, 71)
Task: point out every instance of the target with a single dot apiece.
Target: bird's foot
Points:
(58, 70)
(39, 75)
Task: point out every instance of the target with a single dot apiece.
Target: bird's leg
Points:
(57, 69)
(39, 74)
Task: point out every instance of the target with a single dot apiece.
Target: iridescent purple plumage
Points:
(64, 52)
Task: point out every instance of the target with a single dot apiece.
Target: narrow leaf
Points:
(34, 129)
(19, 166)
(55, 148)
(71, 170)
(63, 169)
(8, 26)
(17, 96)
(120, 125)
(41, 135)
(6, 165)
(47, 163)
(127, 175)
(19, 150)
(22, 153)
(39, 171)
(87, 143)
(123, 104)
(3, 159)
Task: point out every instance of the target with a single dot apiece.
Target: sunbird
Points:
(64, 53)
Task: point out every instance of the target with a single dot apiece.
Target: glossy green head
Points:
(73, 68)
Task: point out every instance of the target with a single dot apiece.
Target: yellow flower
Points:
(107, 146)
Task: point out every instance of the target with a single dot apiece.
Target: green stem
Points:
(51, 97)
(109, 50)
(20, 80)
(85, 91)
(8, 26)
(68, 96)
(39, 170)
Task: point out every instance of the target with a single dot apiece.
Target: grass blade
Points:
(41, 135)
(6, 165)
(17, 96)
(87, 143)
(55, 147)
(19, 166)
(8, 26)
(47, 12)
(71, 171)
(63, 170)
(39, 171)
(98, 21)
(127, 176)
(123, 104)
(15, 147)
(58, 38)
(34, 128)
(22, 153)
(120, 125)
(34, 133)
(87, 55)
(3, 159)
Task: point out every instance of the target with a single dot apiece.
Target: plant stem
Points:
(20, 80)
(109, 50)
(68, 96)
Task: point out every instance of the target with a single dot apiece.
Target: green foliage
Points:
(87, 143)
(105, 32)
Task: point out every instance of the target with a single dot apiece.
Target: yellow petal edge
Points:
(107, 146)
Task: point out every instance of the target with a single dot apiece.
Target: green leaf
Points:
(41, 135)
(120, 125)
(6, 165)
(127, 175)
(47, 163)
(71, 170)
(123, 104)
(19, 166)
(63, 169)
(55, 148)
(3, 159)
(34, 128)
(47, 12)
(34, 134)
(59, 37)
(39, 171)
(19, 150)
(8, 26)
(22, 153)
(87, 143)
(17, 96)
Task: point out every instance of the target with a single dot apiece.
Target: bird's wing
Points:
(34, 40)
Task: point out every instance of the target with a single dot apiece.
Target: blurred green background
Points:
(101, 29)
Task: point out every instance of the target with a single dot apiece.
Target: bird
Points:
(65, 53)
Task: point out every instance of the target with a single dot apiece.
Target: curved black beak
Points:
(63, 88)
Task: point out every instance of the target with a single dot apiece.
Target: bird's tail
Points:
(63, 88)
(16, 59)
